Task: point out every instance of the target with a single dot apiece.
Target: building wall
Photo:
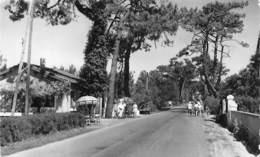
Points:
(248, 120)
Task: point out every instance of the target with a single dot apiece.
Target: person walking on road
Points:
(189, 108)
(196, 108)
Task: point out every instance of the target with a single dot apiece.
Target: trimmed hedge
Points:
(15, 129)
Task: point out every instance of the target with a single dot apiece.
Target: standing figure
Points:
(189, 108)
(200, 108)
(196, 108)
(115, 110)
(135, 110)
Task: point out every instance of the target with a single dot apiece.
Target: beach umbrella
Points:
(87, 100)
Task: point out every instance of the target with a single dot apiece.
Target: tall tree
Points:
(3, 66)
(63, 12)
(184, 72)
(96, 51)
(212, 26)
(140, 15)
(72, 69)
(244, 83)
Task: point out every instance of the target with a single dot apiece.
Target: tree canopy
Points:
(213, 27)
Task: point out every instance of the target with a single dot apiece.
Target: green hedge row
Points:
(15, 129)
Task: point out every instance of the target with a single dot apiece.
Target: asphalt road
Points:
(167, 134)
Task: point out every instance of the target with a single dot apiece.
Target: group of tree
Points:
(244, 86)
(213, 27)
(174, 82)
(153, 89)
(122, 27)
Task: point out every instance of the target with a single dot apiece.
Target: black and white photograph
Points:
(130, 78)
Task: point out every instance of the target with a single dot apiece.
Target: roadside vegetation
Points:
(14, 129)
(123, 27)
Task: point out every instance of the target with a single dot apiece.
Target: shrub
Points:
(15, 129)
(248, 104)
(222, 120)
(213, 104)
(242, 133)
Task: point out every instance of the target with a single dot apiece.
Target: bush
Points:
(15, 129)
(241, 133)
(248, 104)
(222, 120)
(213, 104)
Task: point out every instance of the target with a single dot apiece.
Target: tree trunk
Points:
(181, 87)
(205, 69)
(220, 68)
(215, 60)
(113, 70)
(112, 79)
(127, 73)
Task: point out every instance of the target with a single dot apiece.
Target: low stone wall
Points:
(248, 120)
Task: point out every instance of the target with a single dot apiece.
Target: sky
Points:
(64, 45)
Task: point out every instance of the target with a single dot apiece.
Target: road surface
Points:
(166, 134)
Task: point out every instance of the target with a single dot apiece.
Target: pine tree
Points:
(212, 26)
(96, 53)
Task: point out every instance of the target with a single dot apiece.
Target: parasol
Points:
(87, 100)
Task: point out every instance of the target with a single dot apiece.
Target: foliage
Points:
(140, 94)
(96, 51)
(3, 66)
(57, 12)
(142, 28)
(72, 69)
(244, 83)
(15, 129)
(6, 100)
(248, 104)
(144, 16)
(242, 133)
(119, 86)
(63, 12)
(213, 104)
(222, 119)
(38, 89)
(183, 72)
(213, 27)
(154, 88)
(244, 86)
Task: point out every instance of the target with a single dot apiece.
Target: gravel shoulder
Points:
(221, 141)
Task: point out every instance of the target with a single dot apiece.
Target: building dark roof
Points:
(44, 73)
